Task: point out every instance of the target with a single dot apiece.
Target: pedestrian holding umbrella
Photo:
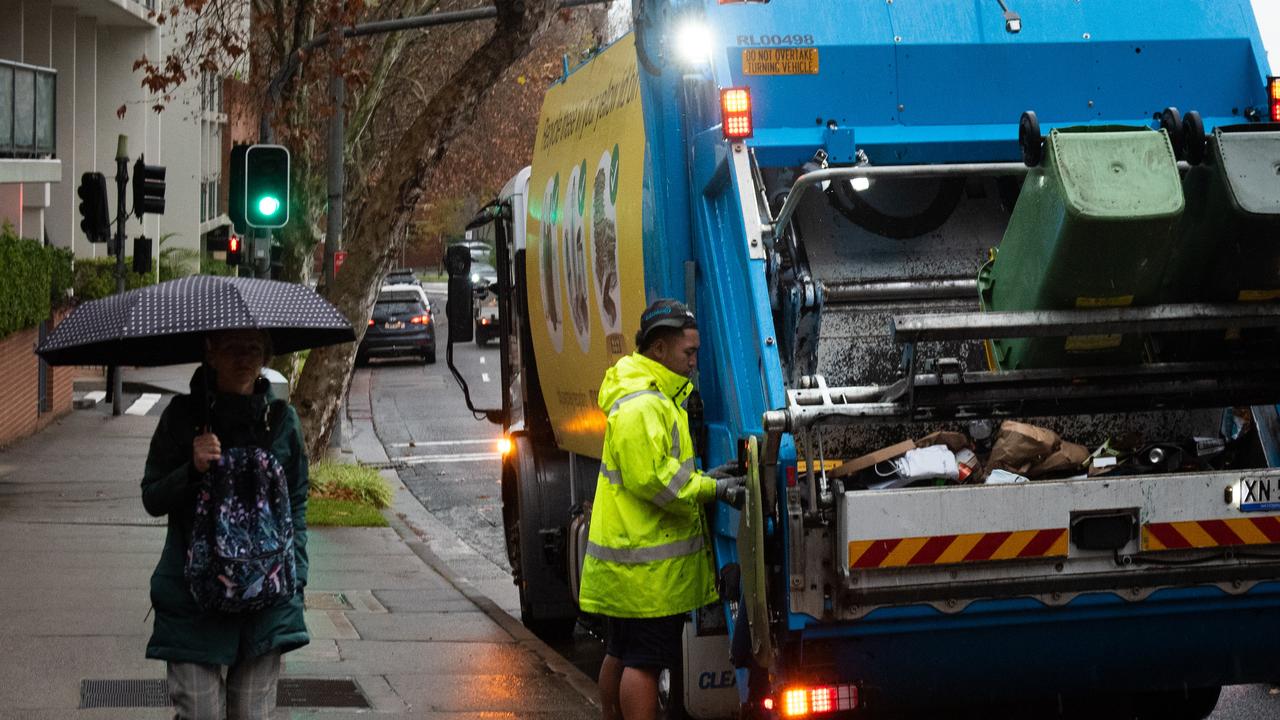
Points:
(227, 436)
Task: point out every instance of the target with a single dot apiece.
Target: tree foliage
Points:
(410, 97)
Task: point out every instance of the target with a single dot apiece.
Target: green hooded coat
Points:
(183, 632)
(648, 552)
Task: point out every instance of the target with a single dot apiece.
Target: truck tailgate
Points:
(1055, 539)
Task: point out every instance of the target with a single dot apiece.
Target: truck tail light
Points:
(803, 702)
(1273, 93)
(735, 113)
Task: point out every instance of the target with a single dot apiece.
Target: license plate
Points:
(780, 61)
(1261, 494)
(396, 325)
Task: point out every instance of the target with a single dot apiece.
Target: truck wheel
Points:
(532, 575)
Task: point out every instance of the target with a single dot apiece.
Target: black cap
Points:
(664, 313)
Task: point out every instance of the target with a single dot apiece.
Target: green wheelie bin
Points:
(1091, 229)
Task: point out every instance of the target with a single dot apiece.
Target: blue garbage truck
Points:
(1038, 240)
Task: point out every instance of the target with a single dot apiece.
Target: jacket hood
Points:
(634, 373)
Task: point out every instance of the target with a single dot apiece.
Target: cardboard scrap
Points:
(955, 441)
(1018, 447)
(1068, 459)
(862, 463)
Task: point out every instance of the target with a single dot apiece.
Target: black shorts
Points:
(646, 642)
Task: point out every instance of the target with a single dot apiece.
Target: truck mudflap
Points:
(1050, 540)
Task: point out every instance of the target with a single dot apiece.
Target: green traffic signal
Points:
(268, 205)
(266, 186)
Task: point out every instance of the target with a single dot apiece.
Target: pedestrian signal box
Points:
(233, 250)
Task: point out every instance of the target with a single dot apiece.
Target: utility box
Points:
(1091, 229)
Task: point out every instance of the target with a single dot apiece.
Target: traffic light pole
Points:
(337, 132)
(122, 182)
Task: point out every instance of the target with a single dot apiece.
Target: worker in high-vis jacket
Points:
(648, 560)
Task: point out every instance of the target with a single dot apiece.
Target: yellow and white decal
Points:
(585, 258)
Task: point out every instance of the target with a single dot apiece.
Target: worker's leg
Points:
(638, 694)
(610, 680)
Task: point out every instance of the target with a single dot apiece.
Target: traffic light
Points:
(93, 207)
(142, 254)
(233, 250)
(148, 188)
(266, 186)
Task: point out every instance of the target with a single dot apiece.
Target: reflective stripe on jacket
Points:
(648, 554)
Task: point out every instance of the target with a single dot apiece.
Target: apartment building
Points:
(66, 72)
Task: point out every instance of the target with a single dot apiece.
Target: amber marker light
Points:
(504, 446)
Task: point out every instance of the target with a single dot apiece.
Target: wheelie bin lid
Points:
(1248, 157)
(1117, 173)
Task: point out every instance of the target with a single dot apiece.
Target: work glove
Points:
(732, 490)
(727, 470)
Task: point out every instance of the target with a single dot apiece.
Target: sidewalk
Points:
(404, 612)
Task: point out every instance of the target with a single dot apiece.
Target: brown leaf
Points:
(120, 111)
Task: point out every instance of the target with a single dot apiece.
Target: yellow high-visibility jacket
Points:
(648, 550)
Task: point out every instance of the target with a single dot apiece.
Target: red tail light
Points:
(420, 319)
(370, 322)
(800, 702)
(735, 113)
(1273, 92)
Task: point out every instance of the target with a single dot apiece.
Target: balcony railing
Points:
(27, 110)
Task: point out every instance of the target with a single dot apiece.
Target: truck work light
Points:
(735, 113)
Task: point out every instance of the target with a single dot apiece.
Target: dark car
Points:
(401, 325)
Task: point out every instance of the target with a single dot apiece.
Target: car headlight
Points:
(475, 277)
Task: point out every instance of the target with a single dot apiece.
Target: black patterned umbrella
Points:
(165, 324)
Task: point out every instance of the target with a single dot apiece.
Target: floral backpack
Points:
(241, 554)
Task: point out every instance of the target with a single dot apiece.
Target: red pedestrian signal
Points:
(233, 250)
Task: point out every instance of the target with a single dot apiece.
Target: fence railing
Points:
(28, 110)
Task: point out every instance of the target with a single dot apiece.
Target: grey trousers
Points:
(199, 691)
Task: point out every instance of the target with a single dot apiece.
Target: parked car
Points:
(401, 276)
(401, 324)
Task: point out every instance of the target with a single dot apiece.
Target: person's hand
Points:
(729, 469)
(732, 490)
(205, 451)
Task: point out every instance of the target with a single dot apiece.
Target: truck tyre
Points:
(546, 605)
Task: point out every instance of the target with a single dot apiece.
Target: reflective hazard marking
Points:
(951, 549)
(1211, 533)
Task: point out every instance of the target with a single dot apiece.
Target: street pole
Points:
(122, 182)
(337, 131)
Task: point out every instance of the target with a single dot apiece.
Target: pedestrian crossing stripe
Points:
(1194, 534)
(955, 549)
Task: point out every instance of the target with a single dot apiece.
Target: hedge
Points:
(36, 280)
(96, 278)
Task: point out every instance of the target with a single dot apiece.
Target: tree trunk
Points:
(381, 213)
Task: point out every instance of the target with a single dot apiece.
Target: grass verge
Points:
(347, 495)
(342, 513)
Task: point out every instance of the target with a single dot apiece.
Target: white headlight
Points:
(693, 43)
(475, 277)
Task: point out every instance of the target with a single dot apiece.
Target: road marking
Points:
(437, 443)
(484, 377)
(460, 457)
(143, 404)
(96, 396)
(481, 359)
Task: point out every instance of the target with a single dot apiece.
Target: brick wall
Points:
(20, 413)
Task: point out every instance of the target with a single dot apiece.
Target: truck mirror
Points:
(458, 308)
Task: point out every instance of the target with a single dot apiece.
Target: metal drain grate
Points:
(292, 692)
(310, 692)
(123, 693)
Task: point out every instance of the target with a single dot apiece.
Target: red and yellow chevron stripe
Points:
(1211, 533)
(950, 549)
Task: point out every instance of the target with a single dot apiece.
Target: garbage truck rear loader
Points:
(1043, 225)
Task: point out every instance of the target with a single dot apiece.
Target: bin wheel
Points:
(1193, 139)
(1171, 122)
(1030, 140)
